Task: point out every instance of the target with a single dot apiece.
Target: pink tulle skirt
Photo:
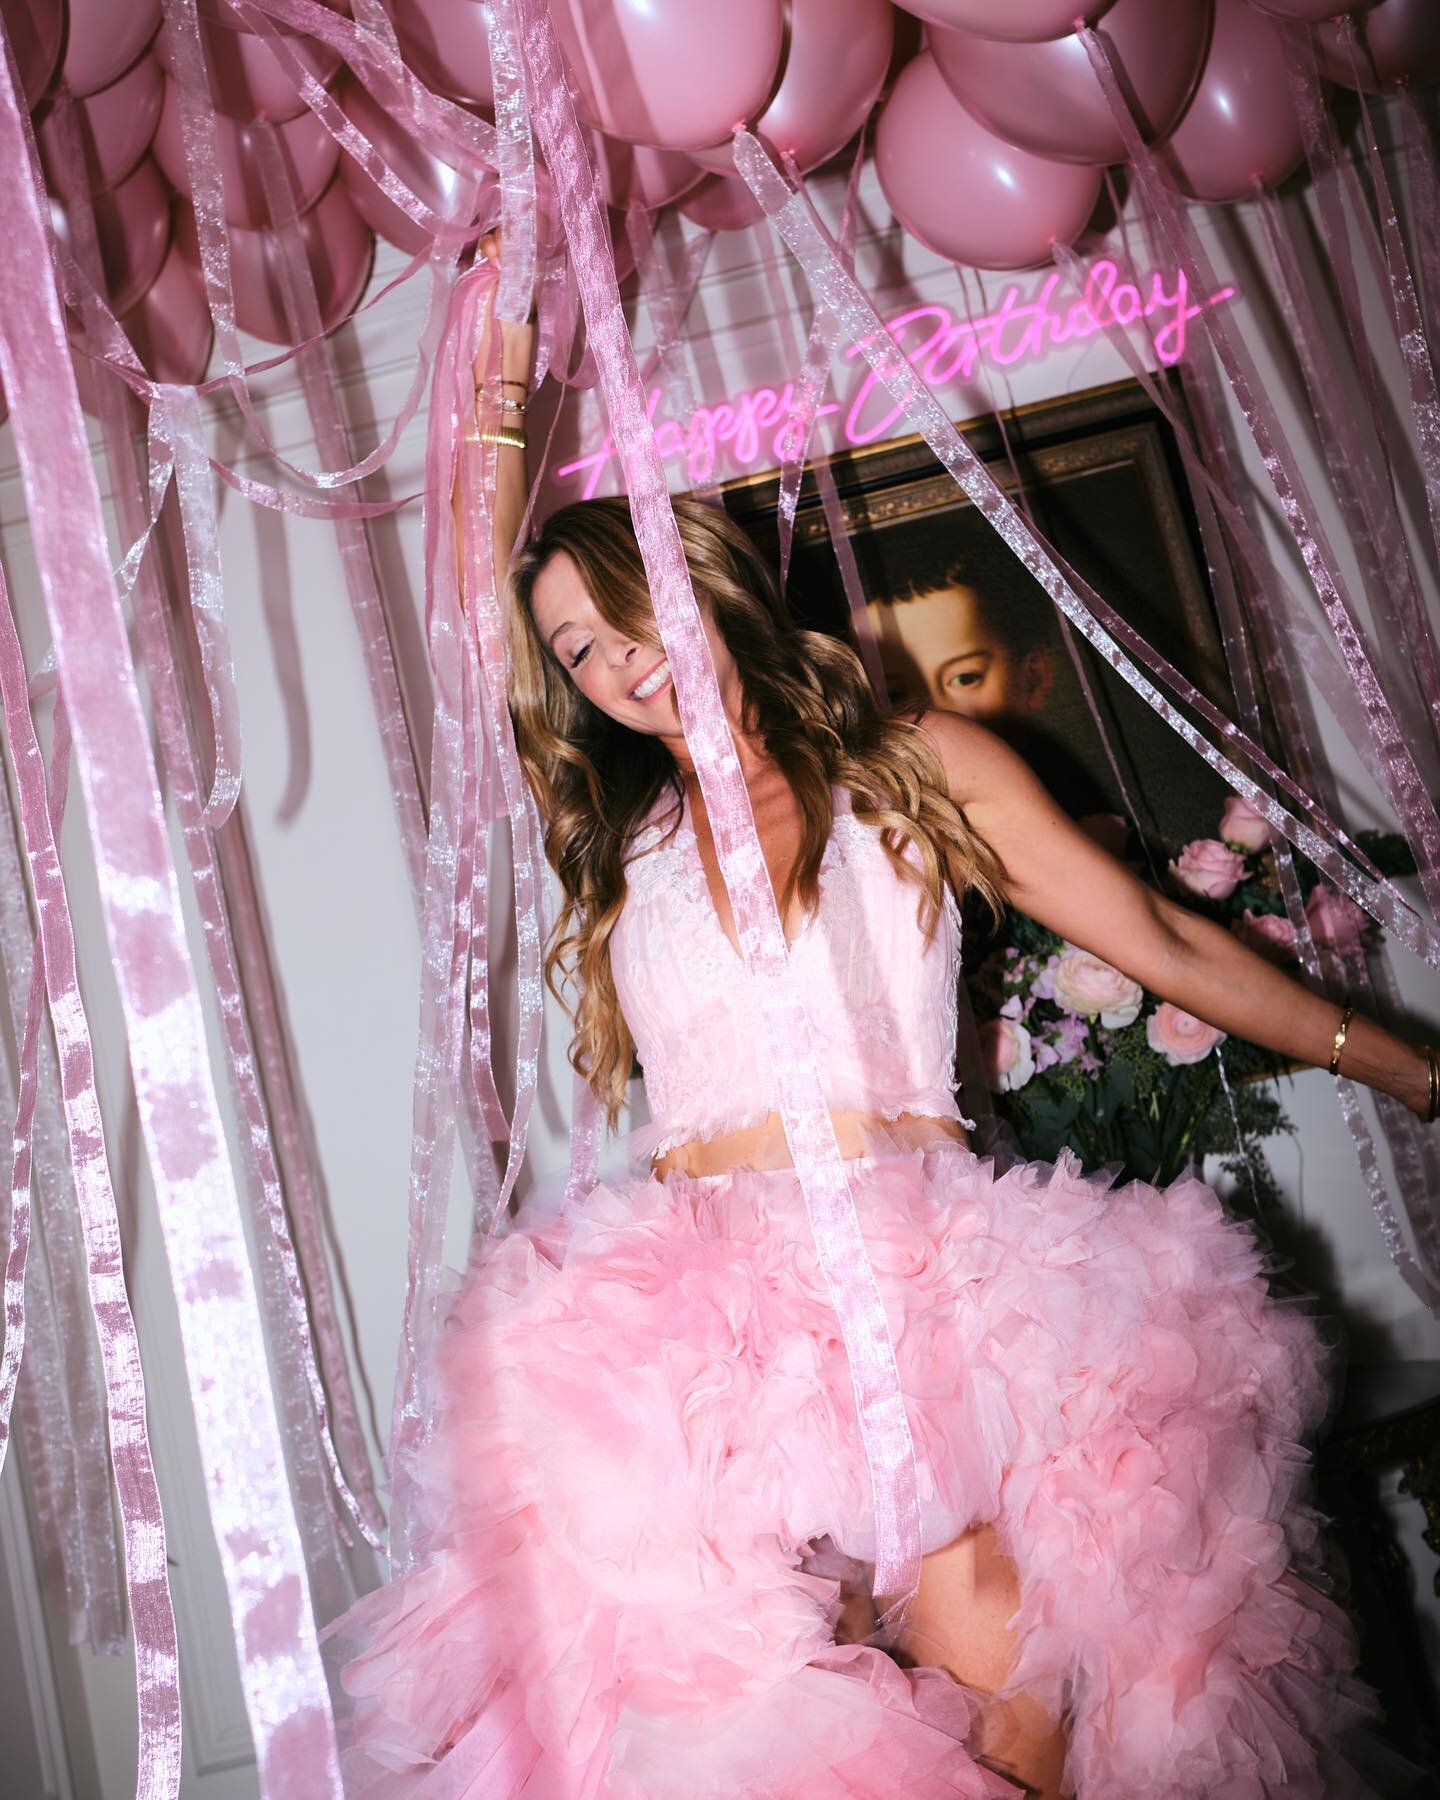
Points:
(647, 1473)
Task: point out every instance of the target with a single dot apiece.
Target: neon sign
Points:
(758, 423)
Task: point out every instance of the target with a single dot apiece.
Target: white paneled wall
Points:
(343, 930)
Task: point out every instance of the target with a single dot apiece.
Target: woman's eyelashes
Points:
(576, 657)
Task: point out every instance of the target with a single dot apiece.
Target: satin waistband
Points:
(763, 1147)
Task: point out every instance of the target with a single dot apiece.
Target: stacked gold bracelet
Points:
(513, 438)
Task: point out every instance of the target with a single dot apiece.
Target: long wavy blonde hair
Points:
(806, 698)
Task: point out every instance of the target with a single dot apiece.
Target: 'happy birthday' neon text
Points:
(759, 423)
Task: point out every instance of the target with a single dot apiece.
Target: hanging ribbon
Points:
(255, 1528)
(1363, 443)
(884, 1429)
(1409, 324)
(1317, 653)
(1248, 614)
(809, 389)
(260, 1083)
(459, 767)
(1414, 807)
(1424, 185)
(660, 290)
(177, 437)
(1099, 623)
(142, 1524)
(1356, 463)
(203, 172)
(835, 521)
(486, 636)
(177, 418)
(516, 153)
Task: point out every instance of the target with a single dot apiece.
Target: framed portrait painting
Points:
(962, 625)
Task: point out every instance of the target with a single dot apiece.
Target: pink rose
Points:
(1208, 867)
(1109, 831)
(1084, 984)
(1336, 920)
(1009, 1060)
(1243, 827)
(1179, 1036)
(1271, 934)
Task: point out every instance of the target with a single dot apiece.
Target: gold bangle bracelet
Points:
(1434, 1066)
(513, 440)
(1341, 1033)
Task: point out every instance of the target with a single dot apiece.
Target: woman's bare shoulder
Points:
(978, 765)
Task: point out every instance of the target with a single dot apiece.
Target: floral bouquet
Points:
(1078, 1054)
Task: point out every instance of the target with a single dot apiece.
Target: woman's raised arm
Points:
(496, 414)
(1067, 883)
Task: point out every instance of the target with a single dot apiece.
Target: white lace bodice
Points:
(881, 999)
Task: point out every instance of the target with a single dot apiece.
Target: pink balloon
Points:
(311, 151)
(105, 39)
(1309, 10)
(676, 74)
(339, 247)
(432, 180)
(1014, 21)
(722, 203)
(1045, 97)
(1399, 44)
(1241, 128)
(634, 175)
(36, 29)
(835, 66)
(116, 126)
(170, 328)
(965, 193)
(132, 222)
(247, 80)
(446, 44)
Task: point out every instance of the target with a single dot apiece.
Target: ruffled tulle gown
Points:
(647, 1476)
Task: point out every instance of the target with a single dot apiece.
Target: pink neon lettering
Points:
(942, 349)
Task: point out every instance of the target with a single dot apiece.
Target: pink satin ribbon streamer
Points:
(884, 1429)
(515, 149)
(203, 171)
(476, 472)
(844, 551)
(1099, 623)
(809, 389)
(660, 287)
(1423, 183)
(460, 771)
(1405, 301)
(142, 1524)
(1414, 807)
(1358, 447)
(181, 425)
(290, 1299)
(1255, 623)
(254, 1523)
(1318, 653)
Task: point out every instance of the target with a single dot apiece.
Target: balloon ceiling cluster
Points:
(990, 129)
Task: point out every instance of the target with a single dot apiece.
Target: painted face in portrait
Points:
(947, 649)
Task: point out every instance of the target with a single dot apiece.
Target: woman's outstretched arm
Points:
(1067, 883)
(512, 482)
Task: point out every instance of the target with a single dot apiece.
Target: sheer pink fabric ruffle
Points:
(649, 1425)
